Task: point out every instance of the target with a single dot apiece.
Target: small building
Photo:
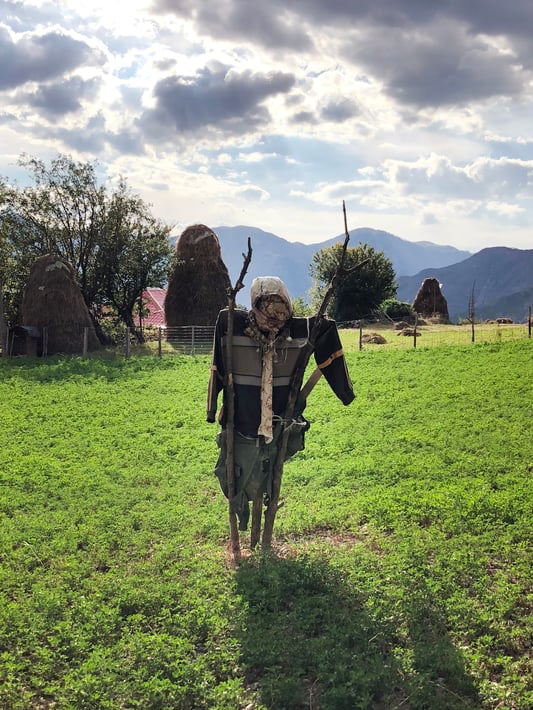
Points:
(153, 301)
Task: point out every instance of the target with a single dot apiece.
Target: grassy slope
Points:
(402, 574)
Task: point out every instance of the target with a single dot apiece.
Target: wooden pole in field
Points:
(230, 404)
(296, 385)
(529, 323)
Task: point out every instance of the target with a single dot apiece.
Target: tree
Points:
(110, 238)
(362, 291)
(135, 254)
(396, 310)
(4, 265)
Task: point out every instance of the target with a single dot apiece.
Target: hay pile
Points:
(198, 287)
(52, 302)
(430, 303)
(410, 332)
(374, 338)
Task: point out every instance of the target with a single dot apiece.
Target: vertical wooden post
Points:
(85, 341)
(529, 323)
(192, 340)
(414, 334)
(126, 342)
(255, 532)
(295, 387)
(45, 342)
(360, 335)
(230, 403)
(159, 349)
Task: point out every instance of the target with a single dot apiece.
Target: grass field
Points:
(432, 334)
(401, 570)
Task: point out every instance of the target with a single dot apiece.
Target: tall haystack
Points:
(430, 303)
(53, 303)
(198, 287)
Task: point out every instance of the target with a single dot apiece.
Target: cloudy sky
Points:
(270, 113)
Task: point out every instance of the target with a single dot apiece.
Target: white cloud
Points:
(268, 114)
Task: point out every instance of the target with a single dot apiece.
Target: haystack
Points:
(52, 302)
(373, 338)
(429, 301)
(198, 287)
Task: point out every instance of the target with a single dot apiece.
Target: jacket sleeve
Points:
(329, 357)
(216, 379)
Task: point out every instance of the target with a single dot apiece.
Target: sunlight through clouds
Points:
(272, 114)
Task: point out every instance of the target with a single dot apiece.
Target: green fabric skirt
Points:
(254, 462)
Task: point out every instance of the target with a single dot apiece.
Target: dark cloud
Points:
(40, 57)
(445, 67)
(307, 117)
(271, 24)
(63, 97)
(126, 142)
(339, 111)
(217, 97)
(426, 53)
(479, 16)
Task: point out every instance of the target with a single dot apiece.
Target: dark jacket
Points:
(328, 354)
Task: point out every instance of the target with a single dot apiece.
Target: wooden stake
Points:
(230, 404)
(257, 510)
(296, 385)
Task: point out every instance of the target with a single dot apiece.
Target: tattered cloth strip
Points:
(267, 320)
(265, 427)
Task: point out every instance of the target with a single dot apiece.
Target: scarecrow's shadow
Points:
(309, 639)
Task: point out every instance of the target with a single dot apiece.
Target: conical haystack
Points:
(430, 303)
(198, 287)
(53, 303)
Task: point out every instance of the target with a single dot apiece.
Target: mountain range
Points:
(502, 278)
(273, 255)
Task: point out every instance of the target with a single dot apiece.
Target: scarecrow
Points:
(265, 346)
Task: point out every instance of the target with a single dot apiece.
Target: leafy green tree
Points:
(361, 291)
(113, 242)
(300, 308)
(135, 253)
(4, 272)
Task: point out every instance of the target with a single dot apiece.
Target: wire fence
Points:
(175, 340)
(76, 339)
(371, 336)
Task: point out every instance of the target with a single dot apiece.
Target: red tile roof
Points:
(154, 303)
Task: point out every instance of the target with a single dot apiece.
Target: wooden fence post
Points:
(360, 335)
(414, 332)
(159, 350)
(45, 341)
(126, 342)
(529, 323)
(85, 341)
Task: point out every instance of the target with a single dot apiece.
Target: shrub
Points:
(396, 309)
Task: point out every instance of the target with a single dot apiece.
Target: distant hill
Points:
(273, 255)
(502, 280)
